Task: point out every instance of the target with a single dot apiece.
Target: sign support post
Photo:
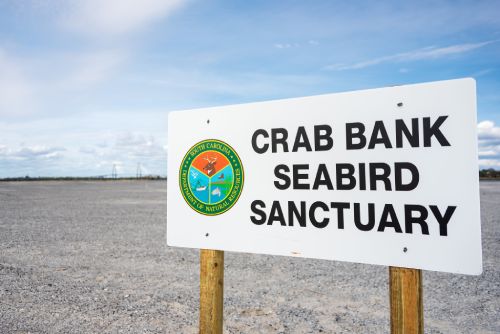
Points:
(407, 314)
(211, 291)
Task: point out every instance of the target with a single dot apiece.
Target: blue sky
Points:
(86, 84)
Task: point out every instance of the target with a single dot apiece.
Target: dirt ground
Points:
(90, 257)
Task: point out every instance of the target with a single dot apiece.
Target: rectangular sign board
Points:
(384, 176)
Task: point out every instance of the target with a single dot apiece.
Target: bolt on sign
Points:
(383, 176)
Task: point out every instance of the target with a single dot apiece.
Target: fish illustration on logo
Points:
(211, 177)
(216, 192)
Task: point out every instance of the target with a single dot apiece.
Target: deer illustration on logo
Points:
(210, 166)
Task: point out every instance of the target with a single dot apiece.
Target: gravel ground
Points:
(90, 257)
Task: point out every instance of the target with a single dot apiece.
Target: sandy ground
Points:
(90, 257)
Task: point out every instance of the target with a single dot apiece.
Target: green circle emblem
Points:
(211, 177)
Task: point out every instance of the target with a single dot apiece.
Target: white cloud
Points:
(59, 81)
(483, 72)
(420, 54)
(310, 42)
(139, 146)
(488, 153)
(286, 45)
(35, 152)
(16, 90)
(94, 67)
(48, 84)
(88, 150)
(182, 84)
(126, 151)
(489, 163)
(115, 17)
(487, 130)
(489, 144)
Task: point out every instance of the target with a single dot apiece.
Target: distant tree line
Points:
(489, 174)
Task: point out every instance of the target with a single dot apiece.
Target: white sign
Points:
(383, 176)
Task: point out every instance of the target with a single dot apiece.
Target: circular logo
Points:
(211, 177)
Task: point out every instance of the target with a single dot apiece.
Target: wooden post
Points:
(211, 291)
(407, 313)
